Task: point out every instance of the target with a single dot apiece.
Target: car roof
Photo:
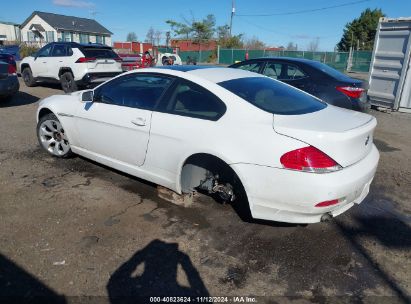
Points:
(83, 45)
(214, 74)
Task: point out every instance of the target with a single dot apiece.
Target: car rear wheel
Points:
(67, 82)
(28, 77)
(52, 137)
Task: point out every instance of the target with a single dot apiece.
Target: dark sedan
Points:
(9, 83)
(312, 77)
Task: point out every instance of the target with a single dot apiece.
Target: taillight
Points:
(11, 69)
(85, 59)
(352, 92)
(309, 159)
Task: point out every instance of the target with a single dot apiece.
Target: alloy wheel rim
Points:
(53, 137)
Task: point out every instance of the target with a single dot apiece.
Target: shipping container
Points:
(390, 74)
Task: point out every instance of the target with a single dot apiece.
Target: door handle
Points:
(139, 121)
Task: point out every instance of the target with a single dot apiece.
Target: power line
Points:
(304, 11)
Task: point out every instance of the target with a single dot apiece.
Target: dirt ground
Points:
(73, 230)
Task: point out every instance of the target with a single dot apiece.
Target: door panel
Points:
(112, 131)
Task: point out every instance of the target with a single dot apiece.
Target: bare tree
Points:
(314, 44)
(291, 46)
(150, 35)
(131, 37)
(254, 44)
(157, 37)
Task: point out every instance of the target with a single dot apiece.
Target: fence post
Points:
(232, 55)
(264, 53)
(218, 54)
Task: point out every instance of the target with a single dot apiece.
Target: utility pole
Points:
(232, 14)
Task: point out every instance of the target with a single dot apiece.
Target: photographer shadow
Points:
(153, 271)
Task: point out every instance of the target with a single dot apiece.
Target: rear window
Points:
(99, 53)
(273, 96)
(330, 71)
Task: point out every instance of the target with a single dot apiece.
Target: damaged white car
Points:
(279, 153)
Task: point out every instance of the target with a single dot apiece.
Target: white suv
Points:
(72, 64)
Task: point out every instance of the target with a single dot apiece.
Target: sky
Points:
(283, 26)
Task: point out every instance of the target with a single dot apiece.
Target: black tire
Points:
(28, 77)
(63, 149)
(67, 82)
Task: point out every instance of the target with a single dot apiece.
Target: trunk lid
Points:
(104, 65)
(344, 135)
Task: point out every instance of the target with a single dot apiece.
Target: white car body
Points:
(50, 66)
(250, 140)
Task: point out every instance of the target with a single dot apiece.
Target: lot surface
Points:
(75, 228)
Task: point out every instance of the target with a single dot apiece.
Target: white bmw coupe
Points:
(247, 138)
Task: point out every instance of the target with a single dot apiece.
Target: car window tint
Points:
(272, 70)
(59, 50)
(189, 99)
(136, 91)
(292, 73)
(99, 53)
(44, 52)
(252, 67)
(273, 96)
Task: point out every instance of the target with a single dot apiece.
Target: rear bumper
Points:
(362, 104)
(290, 196)
(93, 78)
(9, 86)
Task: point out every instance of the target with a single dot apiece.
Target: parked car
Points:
(72, 64)
(131, 61)
(271, 149)
(313, 77)
(164, 59)
(9, 83)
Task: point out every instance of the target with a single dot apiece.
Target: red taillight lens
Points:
(352, 92)
(11, 69)
(327, 203)
(309, 159)
(85, 59)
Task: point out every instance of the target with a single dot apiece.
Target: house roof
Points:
(8, 23)
(69, 23)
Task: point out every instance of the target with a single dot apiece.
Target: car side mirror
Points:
(87, 96)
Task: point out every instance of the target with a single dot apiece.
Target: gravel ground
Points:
(73, 229)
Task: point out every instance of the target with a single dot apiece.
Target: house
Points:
(190, 45)
(9, 32)
(41, 28)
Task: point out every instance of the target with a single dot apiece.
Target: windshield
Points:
(273, 96)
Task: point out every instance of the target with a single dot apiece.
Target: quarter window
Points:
(190, 99)
(136, 91)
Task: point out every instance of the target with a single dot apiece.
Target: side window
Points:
(135, 90)
(273, 70)
(252, 67)
(294, 72)
(59, 50)
(69, 51)
(190, 99)
(45, 51)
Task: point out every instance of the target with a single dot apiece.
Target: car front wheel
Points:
(52, 137)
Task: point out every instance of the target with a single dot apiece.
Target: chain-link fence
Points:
(339, 60)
